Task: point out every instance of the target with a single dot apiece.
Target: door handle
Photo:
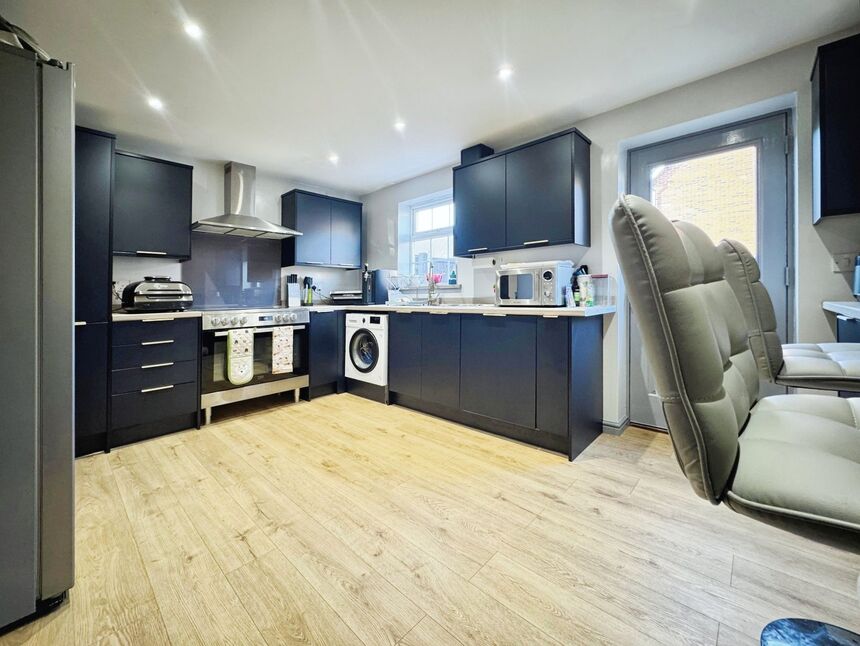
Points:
(156, 320)
(165, 342)
(156, 389)
(477, 249)
(157, 365)
(144, 252)
(528, 242)
(492, 314)
(80, 323)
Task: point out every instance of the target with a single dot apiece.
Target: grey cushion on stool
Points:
(791, 460)
(828, 366)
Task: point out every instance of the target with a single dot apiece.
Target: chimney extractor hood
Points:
(239, 220)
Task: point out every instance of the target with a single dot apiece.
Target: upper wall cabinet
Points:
(330, 228)
(152, 207)
(836, 129)
(532, 195)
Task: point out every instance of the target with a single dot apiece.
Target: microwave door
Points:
(518, 287)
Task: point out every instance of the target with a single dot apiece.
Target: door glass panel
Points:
(717, 192)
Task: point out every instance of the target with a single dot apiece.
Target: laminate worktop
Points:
(486, 310)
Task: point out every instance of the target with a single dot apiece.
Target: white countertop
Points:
(155, 316)
(487, 310)
(851, 309)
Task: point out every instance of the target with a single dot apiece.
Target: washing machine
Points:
(366, 356)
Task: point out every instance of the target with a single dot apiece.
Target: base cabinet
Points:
(326, 345)
(536, 379)
(847, 331)
(155, 378)
(91, 388)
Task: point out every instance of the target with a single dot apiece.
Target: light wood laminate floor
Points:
(343, 521)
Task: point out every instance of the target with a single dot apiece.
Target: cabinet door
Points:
(404, 354)
(152, 208)
(313, 220)
(847, 330)
(91, 387)
(539, 191)
(440, 359)
(553, 375)
(345, 234)
(93, 185)
(836, 129)
(479, 203)
(325, 349)
(497, 367)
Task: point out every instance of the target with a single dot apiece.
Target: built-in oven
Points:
(536, 284)
(265, 379)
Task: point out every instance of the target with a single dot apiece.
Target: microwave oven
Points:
(538, 284)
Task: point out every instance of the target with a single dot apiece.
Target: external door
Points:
(733, 182)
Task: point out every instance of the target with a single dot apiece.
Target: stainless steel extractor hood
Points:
(239, 220)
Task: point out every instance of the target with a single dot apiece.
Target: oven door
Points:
(518, 287)
(214, 359)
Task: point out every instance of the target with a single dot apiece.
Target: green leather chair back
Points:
(694, 335)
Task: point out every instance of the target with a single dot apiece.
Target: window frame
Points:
(421, 204)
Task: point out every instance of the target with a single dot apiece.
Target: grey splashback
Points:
(228, 271)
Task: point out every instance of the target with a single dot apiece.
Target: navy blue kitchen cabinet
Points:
(479, 198)
(155, 378)
(152, 207)
(497, 367)
(91, 387)
(538, 190)
(552, 376)
(345, 234)
(440, 359)
(325, 353)
(404, 353)
(94, 153)
(330, 228)
(847, 331)
(531, 195)
(836, 129)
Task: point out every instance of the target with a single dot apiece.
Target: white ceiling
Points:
(282, 84)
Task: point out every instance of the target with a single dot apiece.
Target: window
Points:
(427, 237)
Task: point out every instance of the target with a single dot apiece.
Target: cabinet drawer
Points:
(134, 356)
(148, 376)
(136, 332)
(139, 407)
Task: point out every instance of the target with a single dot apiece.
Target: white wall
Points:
(780, 75)
(207, 199)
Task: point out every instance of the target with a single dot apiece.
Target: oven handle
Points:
(259, 330)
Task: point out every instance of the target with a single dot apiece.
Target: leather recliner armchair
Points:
(788, 460)
(825, 366)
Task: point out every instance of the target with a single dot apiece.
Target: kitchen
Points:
(275, 342)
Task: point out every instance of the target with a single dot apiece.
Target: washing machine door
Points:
(364, 350)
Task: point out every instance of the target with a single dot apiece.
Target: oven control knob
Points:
(243, 320)
(293, 316)
(279, 318)
(215, 321)
(234, 320)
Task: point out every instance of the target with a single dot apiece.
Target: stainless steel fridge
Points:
(36, 333)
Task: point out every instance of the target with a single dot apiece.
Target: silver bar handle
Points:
(438, 313)
(261, 330)
(144, 252)
(156, 389)
(157, 365)
(550, 316)
(80, 323)
(492, 314)
(842, 317)
(477, 249)
(165, 342)
(528, 242)
(157, 320)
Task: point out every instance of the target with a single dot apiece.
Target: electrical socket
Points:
(842, 262)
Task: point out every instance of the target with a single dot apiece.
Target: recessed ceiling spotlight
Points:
(400, 125)
(155, 103)
(193, 30)
(334, 159)
(505, 72)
